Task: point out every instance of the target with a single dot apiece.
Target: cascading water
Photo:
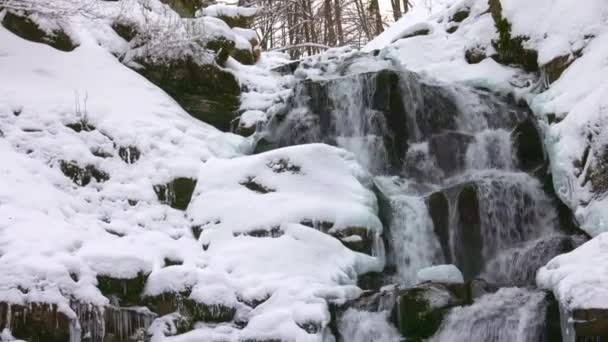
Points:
(446, 160)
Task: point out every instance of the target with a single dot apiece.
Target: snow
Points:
(579, 279)
(57, 237)
(224, 10)
(440, 274)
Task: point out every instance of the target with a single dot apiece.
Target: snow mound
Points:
(440, 274)
(579, 279)
(223, 10)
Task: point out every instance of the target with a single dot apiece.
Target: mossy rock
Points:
(126, 324)
(421, 32)
(237, 21)
(244, 56)
(509, 49)
(475, 55)
(176, 193)
(128, 291)
(209, 313)
(82, 176)
(468, 248)
(185, 8)
(419, 311)
(206, 91)
(358, 239)
(28, 29)
(461, 15)
(36, 322)
(126, 31)
(222, 48)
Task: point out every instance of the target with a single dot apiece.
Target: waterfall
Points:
(367, 326)
(446, 163)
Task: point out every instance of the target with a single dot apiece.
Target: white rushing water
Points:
(365, 326)
(509, 315)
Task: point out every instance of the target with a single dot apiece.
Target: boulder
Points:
(125, 291)
(185, 8)
(82, 176)
(35, 322)
(419, 311)
(176, 193)
(28, 29)
(206, 91)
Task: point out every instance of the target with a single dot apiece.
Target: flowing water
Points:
(445, 159)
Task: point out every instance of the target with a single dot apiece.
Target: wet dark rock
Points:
(469, 257)
(82, 176)
(173, 262)
(126, 324)
(209, 313)
(127, 291)
(449, 150)
(452, 29)
(287, 69)
(420, 310)
(371, 281)
(26, 28)
(597, 173)
(129, 154)
(196, 231)
(207, 92)
(271, 232)
(35, 322)
(421, 32)
(244, 56)
(590, 323)
(358, 239)
(529, 145)
(176, 193)
(439, 210)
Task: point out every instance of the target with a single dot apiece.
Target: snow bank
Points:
(579, 279)
(223, 10)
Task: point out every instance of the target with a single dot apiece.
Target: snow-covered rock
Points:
(440, 274)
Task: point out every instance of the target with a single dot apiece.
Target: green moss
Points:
(244, 56)
(421, 32)
(207, 92)
(28, 29)
(127, 290)
(510, 50)
(215, 313)
(222, 48)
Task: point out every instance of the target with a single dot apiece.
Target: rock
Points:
(81, 125)
(126, 31)
(554, 68)
(358, 239)
(421, 32)
(167, 303)
(129, 154)
(254, 186)
(420, 310)
(176, 193)
(475, 55)
(528, 145)
(244, 56)
(469, 257)
(448, 274)
(590, 322)
(127, 291)
(82, 176)
(222, 48)
(207, 92)
(449, 150)
(460, 15)
(35, 322)
(185, 8)
(237, 21)
(287, 69)
(26, 28)
(509, 49)
(439, 210)
(126, 324)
